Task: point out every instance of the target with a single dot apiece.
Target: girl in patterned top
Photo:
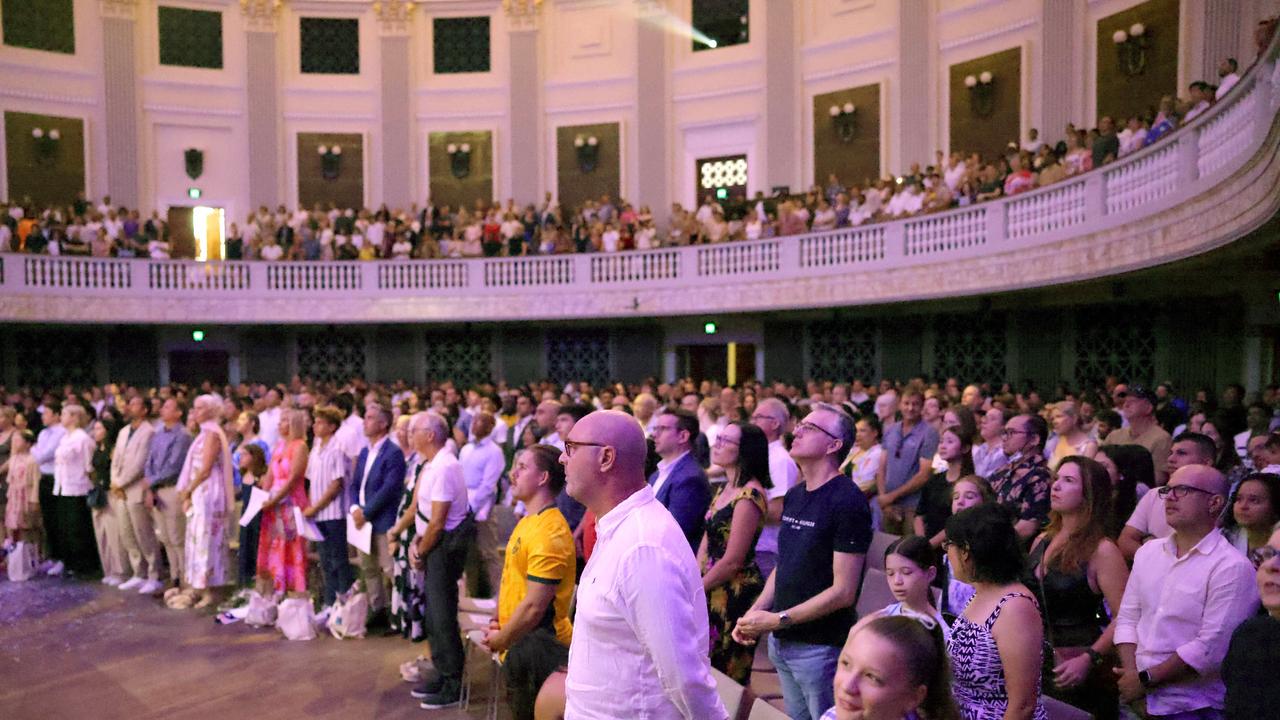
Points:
(893, 668)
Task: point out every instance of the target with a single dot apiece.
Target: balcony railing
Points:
(1238, 136)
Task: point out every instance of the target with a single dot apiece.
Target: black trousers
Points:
(529, 662)
(444, 566)
(48, 516)
(247, 561)
(73, 542)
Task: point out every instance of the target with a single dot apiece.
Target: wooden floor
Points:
(81, 650)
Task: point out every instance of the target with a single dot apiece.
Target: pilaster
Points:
(395, 21)
(652, 108)
(120, 100)
(523, 20)
(262, 100)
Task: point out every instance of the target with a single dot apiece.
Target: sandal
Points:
(171, 593)
(181, 601)
(204, 602)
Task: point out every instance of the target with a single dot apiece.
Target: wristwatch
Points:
(784, 619)
(1095, 657)
(1144, 677)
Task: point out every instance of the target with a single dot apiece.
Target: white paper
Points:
(257, 496)
(306, 527)
(363, 538)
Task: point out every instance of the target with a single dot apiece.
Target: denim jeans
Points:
(338, 575)
(806, 673)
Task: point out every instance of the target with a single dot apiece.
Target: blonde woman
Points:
(1072, 439)
(282, 560)
(206, 491)
(72, 543)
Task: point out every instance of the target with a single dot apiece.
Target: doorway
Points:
(729, 363)
(196, 232)
(193, 367)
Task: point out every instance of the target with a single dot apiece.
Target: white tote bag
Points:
(262, 611)
(22, 562)
(350, 613)
(295, 619)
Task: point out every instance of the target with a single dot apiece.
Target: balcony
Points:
(1205, 186)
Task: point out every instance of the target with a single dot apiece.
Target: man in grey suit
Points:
(128, 491)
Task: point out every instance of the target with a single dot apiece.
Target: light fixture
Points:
(1131, 49)
(330, 160)
(46, 144)
(197, 336)
(844, 120)
(194, 193)
(709, 328)
(981, 93)
(587, 150)
(459, 159)
(322, 149)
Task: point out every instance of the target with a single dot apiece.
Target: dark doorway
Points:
(728, 363)
(193, 367)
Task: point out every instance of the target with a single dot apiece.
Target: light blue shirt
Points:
(45, 447)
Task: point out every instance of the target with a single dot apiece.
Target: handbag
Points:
(262, 611)
(22, 562)
(350, 615)
(295, 619)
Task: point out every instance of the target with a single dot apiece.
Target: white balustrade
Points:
(1045, 211)
(421, 275)
(314, 276)
(631, 267)
(843, 247)
(529, 272)
(946, 232)
(740, 258)
(1145, 178)
(73, 273)
(1228, 134)
(180, 275)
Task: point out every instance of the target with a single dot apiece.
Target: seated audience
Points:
(910, 570)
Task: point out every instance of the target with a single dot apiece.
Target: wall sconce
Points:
(193, 158)
(46, 142)
(587, 148)
(330, 161)
(845, 120)
(1131, 49)
(459, 159)
(982, 93)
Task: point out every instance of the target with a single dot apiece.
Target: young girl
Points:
(909, 565)
(22, 515)
(891, 668)
(967, 492)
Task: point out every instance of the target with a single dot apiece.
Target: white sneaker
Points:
(151, 587)
(56, 569)
(112, 580)
(132, 583)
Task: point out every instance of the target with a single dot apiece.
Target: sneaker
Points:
(450, 695)
(56, 569)
(132, 583)
(432, 684)
(150, 587)
(112, 580)
(44, 566)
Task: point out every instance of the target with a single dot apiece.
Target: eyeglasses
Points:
(1177, 492)
(1260, 556)
(662, 428)
(759, 416)
(951, 544)
(722, 440)
(806, 426)
(571, 446)
(1010, 432)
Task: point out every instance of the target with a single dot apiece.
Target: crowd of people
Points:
(1108, 548)
(493, 229)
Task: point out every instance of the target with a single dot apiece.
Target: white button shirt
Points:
(641, 634)
(72, 462)
(442, 481)
(782, 473)
(1187, 605)
(482, 466)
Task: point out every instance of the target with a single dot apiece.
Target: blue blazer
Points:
(383, 487)
(687, 495)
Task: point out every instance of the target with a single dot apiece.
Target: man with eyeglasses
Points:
(1147, 521)
(1022, 485)
(1249, 670)
(641, 632)
(1185, 596)
(907, 463)
(679, 482)
(807, 604)
(1138, 408)
(771, 417)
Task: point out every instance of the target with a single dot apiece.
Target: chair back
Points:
(1058, 710)
(880, 542)
(731, 693)
(874, 593)
(762, 710)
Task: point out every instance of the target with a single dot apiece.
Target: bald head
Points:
(619, 431)
(1193, 500)
(604, 459)
(1204, 477)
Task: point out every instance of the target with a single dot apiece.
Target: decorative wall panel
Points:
(461, 177)
(847, 145)
(330, 46)
(1122, 345)
(986, 116)
(577, 180)
(578, 355)
(1121, 91)
(464, 358)
(53, 357)
(971, 348)
(331, 355)
(40, 25)
(842, 350)
(47, 169)
(190, 38)
(722, 22)
(341, 180)
(461, 44)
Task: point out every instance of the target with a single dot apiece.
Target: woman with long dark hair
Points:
(1253, 512)
(1073, 568)
(730, 576)
(1130, 468)
(955, 448)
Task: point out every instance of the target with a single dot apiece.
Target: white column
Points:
(120, 96)
(262, 103)
(525, 98)
(913, 141)
(1059, 39)
(395, 20)
(782, 97)
(652, 103)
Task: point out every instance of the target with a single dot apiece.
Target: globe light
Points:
(337, 150)
(1119, 37)
(592, 141)
(322, 149)
(37, 133)
(451, 148)
(835, 111)
(54, 134)
(1138, 30)
(848, 108)
(466, 147)
(579, 141)
(970, 81)
(985, 77)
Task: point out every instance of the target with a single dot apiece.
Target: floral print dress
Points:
(282, 553)
(731, 600)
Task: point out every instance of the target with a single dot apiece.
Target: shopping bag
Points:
(22, 562)
(295, 619)
(262, 611)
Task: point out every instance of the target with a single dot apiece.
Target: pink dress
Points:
(24, 479)
(281, 550)
(206, 553)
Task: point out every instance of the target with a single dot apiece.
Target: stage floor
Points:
(78, 649)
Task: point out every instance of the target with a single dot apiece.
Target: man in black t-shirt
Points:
(807, 603)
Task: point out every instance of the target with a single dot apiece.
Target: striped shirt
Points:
(325, 464)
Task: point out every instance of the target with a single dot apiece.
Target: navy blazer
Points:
(686, 493)
(383, 487)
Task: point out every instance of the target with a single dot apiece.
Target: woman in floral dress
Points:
(730, 576)
(206, 491)
(407, 585)
(282, 559)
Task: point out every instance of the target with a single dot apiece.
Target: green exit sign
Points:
(194, 193)
(197, 335)
(709, 328)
